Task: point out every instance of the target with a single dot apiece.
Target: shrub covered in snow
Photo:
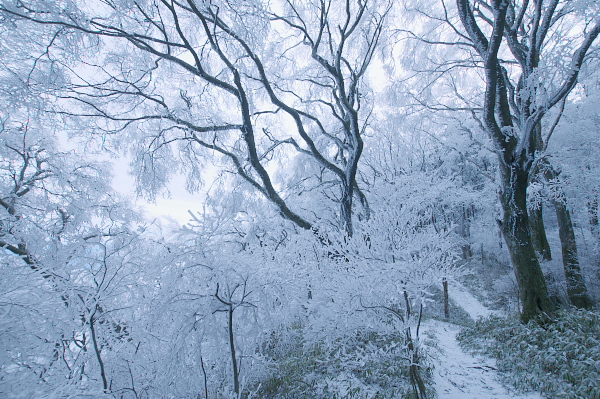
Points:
(560, 359)
(365, 364)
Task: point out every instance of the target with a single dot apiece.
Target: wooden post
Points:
(446, 299)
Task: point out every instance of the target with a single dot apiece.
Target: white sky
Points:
(171, 206)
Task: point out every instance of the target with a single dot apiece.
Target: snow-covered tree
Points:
(527, 56)
(203, 78)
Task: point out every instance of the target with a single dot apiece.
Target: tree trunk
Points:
(576, 289)
(415, 369)
(536, 216)
(464, 230)
(515, 229)
(446, 299)
(346, 209)
(236, 378)
(593, 213)
(538, 233)
(97, 351)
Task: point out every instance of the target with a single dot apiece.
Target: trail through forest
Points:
(460, 375)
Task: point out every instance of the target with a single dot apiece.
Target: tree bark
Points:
(346, 209)
(464, 230)
(536, 216)
(515, 229)
(593, 214)
(576, 289)
(98, 351)
(446, 299)
(538, 233)
(236, 377)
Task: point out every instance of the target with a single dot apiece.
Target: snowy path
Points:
(459, 375)
(463, 298)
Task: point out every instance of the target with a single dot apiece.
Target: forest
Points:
(391, 199)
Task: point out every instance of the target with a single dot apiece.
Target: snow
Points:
(463, 298)
(460, 375)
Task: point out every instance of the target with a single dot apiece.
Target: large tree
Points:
(519, 93)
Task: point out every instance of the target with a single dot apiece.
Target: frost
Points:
(344, 181)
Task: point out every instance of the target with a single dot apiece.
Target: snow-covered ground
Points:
(460, 375)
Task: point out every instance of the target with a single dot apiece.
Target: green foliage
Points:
(560, 359)
(366, 364)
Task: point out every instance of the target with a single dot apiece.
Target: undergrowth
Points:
(365, 365)
(559, 359)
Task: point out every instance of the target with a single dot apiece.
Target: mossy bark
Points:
(533, 292)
